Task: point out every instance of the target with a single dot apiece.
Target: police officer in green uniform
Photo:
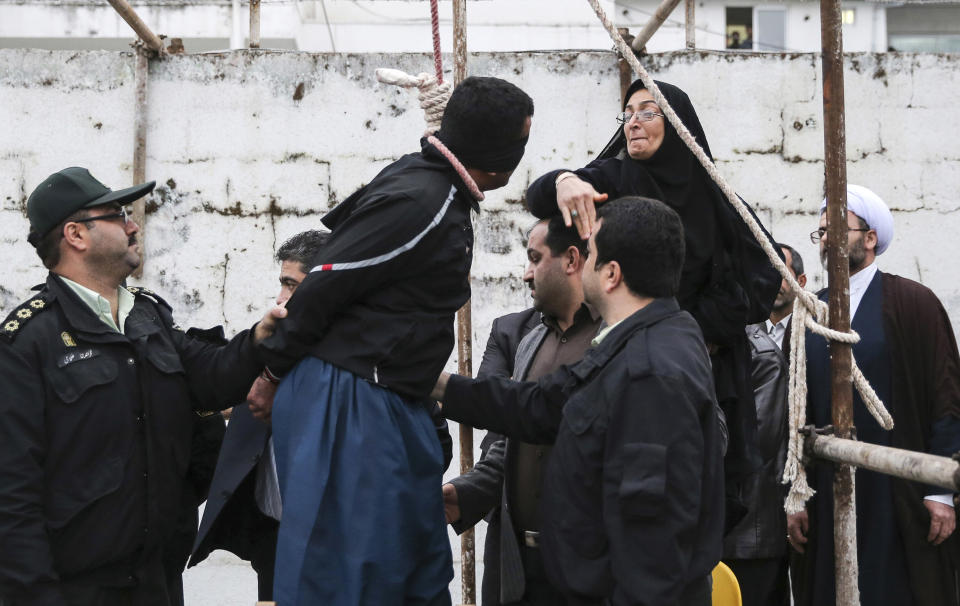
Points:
(96, 408)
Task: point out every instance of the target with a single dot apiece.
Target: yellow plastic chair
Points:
(726, 590)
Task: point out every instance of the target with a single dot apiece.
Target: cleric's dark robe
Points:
(908, 353)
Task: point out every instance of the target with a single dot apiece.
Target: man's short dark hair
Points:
(304, 248)
(560, 237)
(48, 246)
(645, 237)
(485, 109)
(796, 261)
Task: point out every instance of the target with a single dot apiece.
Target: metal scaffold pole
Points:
(254, 23)
(838, 271)
(468, 575)
(150, 39)
(906, 464)
(659, 16)
(149, 44)
(142, 57)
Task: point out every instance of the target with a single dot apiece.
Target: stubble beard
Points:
(856, 256)
(781, 304)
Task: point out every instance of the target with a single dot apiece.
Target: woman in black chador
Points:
(727, 281)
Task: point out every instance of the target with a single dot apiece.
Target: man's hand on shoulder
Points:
(268, 325)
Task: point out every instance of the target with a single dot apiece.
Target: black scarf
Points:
(719, 246)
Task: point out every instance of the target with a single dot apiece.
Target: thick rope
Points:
(814, 310)
(433, 100)
(433, 95)
(435, 25)
(793, 471)
(457, 166)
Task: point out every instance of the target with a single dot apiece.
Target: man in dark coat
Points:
(367, 333)
(633, 493)
(907, 548)
(243, 512)
(96, 409)
(755, 550)
(507, 483)
(506, 332)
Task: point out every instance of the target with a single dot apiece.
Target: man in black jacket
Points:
(368, 332)
(96, 409)
(243, 511)
(507, 481)
(632, 508)
(755, 549)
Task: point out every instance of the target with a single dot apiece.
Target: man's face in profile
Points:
(291, 275)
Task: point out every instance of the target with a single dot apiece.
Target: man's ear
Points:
(612, 276)
(572, 260)
(75, 237)
(870, 240)
(802, 280)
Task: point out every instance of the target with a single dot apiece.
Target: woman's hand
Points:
(577, 202)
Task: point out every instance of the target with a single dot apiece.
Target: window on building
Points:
(926, 29)
(771, 32)
(739, 28)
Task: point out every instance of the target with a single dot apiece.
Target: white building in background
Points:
(493, 25)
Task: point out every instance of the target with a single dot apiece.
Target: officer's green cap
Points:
(67, 191)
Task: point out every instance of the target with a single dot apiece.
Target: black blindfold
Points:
(501, 159)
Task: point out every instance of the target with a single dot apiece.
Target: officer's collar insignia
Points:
(19, 317)
(67, 339)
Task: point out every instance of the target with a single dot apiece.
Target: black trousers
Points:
(262, 560)
(539, 591)
(763, 581)
(142, 585)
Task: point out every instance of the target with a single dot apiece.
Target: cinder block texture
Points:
(248, 148)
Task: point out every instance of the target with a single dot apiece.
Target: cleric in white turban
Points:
(906, 541)
(869, 207)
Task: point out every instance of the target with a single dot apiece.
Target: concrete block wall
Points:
(248, 148)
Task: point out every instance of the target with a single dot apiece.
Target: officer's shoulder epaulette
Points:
(140, 291)
(19, 317)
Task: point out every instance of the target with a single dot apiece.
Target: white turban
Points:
(869, 207)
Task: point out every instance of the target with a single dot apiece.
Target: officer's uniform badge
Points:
(19, 317)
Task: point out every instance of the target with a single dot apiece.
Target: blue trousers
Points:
(360, 472)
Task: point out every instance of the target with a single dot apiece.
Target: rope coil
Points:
(433, 94)
(433, 100)
(809, 311)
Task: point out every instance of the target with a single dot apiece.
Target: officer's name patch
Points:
(77, 355)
